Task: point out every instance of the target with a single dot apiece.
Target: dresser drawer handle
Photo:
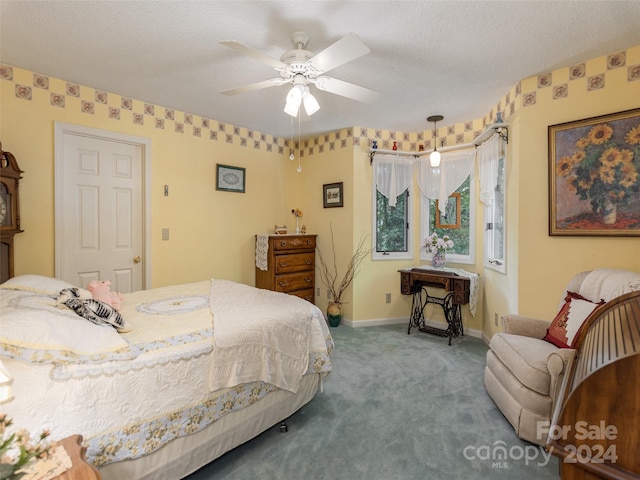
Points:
(283, 283)
(308, 241)
(283, 243)
(307, 279)
(307, 262)
(283, 264)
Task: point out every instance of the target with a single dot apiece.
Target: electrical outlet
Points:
(388, 298)
(317, 291)
(165, 234)
(495, 318)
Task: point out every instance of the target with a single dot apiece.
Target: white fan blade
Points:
(262, 57)
(344, 50)
(274, 82)
(346, 89)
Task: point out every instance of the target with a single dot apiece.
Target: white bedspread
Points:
(127, 408)
(270, 341)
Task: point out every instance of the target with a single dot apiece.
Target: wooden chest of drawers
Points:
(291, 266)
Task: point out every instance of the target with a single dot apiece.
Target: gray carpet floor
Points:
(396, 406)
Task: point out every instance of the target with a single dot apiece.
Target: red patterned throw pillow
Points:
(564, 331)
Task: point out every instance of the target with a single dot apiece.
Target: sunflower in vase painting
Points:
(602, 168)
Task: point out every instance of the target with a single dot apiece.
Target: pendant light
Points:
(434, 158)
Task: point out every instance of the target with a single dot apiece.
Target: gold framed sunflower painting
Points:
(594, 176)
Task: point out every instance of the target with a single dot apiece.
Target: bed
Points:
(205, 367)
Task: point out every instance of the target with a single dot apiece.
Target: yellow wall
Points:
(212, 233)
(323, 167)
(538, 266)
(546, 262)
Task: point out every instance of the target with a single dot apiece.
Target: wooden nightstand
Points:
(81, 469)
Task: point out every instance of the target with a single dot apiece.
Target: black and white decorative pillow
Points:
(93, 310)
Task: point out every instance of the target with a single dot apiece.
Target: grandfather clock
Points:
(9, 211)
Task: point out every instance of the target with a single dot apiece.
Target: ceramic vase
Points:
(334, 314)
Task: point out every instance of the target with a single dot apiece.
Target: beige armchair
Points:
(524, 373)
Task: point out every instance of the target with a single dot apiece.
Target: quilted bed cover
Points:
(195, 353)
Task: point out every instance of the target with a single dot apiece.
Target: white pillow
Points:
(37, 283)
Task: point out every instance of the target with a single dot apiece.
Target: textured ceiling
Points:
(427, 57)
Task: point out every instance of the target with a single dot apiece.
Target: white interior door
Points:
(99, 211)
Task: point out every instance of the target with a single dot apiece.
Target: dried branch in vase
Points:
(329, 276)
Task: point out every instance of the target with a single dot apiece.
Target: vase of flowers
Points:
(438, 247)
(297, 213)
(603, 169)
(18, 451)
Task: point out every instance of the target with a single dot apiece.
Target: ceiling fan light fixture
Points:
(298, 94)
(311, 105)
(294, 98)
(434, 157)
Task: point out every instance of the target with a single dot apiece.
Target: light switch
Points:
(165, 234)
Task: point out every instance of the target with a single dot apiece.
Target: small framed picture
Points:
(230, 179)
(332, 195)
(451, 216)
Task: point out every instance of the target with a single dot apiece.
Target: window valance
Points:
(393, 175)
(394, 172)
(439, 183)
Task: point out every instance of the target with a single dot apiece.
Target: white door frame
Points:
(60, 130)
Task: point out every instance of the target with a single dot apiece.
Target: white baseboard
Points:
(375, 322)
(405, 320)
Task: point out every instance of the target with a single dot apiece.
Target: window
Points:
(463, 237)
(393, 177)
(392, 228)
(494, 225)
(492, 171)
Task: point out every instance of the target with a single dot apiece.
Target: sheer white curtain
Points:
(439, 183)
(393, 175)
(489, 154)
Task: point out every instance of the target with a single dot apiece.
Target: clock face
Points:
(3, 210)
(5, 206)
(4, 219)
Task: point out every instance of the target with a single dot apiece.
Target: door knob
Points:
(136, 259)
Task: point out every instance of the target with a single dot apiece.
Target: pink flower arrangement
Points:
(434, 244)
(297, 212)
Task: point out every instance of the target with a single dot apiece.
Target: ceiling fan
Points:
(300, 68)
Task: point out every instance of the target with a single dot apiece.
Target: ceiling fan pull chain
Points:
(299, 166)
(291, 156)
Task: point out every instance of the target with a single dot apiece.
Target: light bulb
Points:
(291, 157)
(294, 98)
(311, 105)
(299, 169)
(434, 159)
